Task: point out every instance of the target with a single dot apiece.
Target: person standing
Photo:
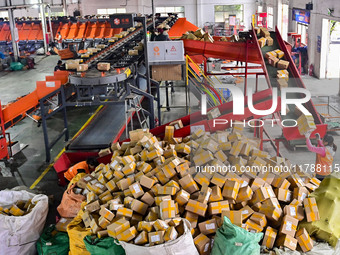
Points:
(60, 41)
(325, 152)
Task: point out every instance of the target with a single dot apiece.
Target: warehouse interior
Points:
(182, 107)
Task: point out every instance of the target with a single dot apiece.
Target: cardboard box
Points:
(160, 225)
(295, 211)
(102, 234)
(246, 212)
(231, 189)
(62, 224)
(146, 182)
(103, 222)
(216, 194)
(264, 32)
(82, 183)
(182, 197)
(106, 213)
(283, 195)
(311, 209)
(234, 216)
(259, 218)
(281, 83)
(272, 213)
(260, 195)
(192, 218)
(218, 207)
(214, 113)
(156, 238)
(196, 207)
(269, 237)
(118, 227)
(103, 66)
(279, 53)
(94, 226)
(202, 243)
(287, 241)
(208, 227)
(127, 235)
(169, 133)
(289, 225)
(244, 194)
(136, 190)
(218, 179)
(204, 193)
(142, 238)
(262, 42)
(282, 65)
(306, 124)
(270, 54)
(177, 124)
(188, 184)
(124, 212)
(139, 207)
(270, 41)
(167, 209)
(273, 61)
(82, 67)
(92, 207)
(253, 227)
(282, 74)
(304, 240)
(133, 52)
(170, 234)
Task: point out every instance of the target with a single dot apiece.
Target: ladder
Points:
(132, 105)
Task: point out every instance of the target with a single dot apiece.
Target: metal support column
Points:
(43, 24)
(246, 68)
(50, 22)
(14, 32)
(153, 14)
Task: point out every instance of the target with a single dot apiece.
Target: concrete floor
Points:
(30, 163)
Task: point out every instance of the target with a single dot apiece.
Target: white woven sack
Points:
(18, 235)
(184, 245)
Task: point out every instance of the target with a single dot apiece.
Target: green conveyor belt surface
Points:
(272, 76)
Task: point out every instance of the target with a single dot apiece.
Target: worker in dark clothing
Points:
(162, 34)
(59, 66)
(152, 34)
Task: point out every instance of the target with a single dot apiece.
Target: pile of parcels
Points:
(151, 185)
(198, 35)
(20, 208)
(265, 37)
(274, 58)
(233, 38)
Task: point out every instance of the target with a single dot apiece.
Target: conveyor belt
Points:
(104, 127)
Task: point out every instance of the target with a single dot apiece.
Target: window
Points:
(174, 9)
(270, 17)
(260, 8)
(110, 11)
(222, 12)
(4, 14)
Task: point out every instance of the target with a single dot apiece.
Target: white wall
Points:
(318, 13)
(196, 11)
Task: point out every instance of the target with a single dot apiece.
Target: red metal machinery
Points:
(3, 142)
(250, 51)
